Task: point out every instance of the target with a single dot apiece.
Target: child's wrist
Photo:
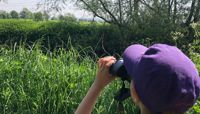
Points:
(98, 85)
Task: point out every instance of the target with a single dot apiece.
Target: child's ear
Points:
(134, 94)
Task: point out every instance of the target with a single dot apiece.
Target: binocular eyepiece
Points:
(118, 69)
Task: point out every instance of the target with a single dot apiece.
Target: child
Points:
(164, 80)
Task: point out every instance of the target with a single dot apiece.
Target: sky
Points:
(18, 5)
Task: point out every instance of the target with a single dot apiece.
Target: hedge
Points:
(103, 38)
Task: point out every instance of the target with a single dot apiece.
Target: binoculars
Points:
(118, 69)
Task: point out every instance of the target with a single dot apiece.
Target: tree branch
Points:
(151, 8)
(175, 11)
(196, 15)
(188, 21)
(120, 11)
(94, 12)
(111, 15)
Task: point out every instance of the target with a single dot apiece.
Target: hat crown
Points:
(165, 78)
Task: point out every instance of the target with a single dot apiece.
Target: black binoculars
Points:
(118, 69)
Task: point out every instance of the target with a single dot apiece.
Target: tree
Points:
(70, 17)
(126, 12)
(46, 15)
(53, 18)
(191, 12)
(14, 14)
(196, 15)
(26, 14)
(118, 12)
(4, 15)
(61, 17)
(38, 16)
(67, 17)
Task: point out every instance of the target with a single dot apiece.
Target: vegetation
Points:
(101, 37)
(54, 82)
(50, 62)
(138, 13)
(14, 14)
(56, 33)
(36, 16)
(36, 78)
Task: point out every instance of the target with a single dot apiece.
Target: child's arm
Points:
(103, 78)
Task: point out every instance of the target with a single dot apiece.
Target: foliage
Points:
(131, 13)
(4, 15)
(26, 14)
(15, 30)
(56, 33)
(194, 45)
(67, 17)
(55, 82)
(14, 14)
(46, 16)
(38, 16)
(154, 19)
(102, 37)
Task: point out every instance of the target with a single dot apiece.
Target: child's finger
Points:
(108, 64)
(102, 62)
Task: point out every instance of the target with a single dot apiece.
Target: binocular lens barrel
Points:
(118, 69)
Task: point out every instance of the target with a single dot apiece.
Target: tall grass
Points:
(33, 82)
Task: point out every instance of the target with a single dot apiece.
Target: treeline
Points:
(36, 16)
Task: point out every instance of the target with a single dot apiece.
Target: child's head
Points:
(163, 78)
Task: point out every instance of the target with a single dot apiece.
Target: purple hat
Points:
(165, 79)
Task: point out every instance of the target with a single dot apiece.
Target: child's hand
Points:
(103, 76)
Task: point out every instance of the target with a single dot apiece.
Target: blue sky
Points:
(18, 5)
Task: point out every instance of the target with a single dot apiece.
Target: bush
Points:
(56, 34)
(15, 30)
